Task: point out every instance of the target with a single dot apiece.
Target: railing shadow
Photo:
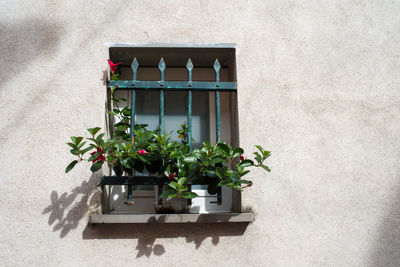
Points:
(147, 234)
(65, 213)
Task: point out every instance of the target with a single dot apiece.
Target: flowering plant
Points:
(215, 165)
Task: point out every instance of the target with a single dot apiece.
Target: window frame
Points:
(217, 86)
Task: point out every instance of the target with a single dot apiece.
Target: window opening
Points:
(183, 99)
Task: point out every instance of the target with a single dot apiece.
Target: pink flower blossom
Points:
(142, 152)
(112, 65)
(241, 158)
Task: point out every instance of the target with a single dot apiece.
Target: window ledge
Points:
(172, 218)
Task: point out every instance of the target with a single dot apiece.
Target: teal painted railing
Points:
(163, 86)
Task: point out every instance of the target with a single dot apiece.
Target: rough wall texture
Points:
(319, 78)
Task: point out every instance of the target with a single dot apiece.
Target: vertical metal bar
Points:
(217, 67)
(189, 67)
(161, 116)
(161, 67)
(189, 119)
(133, 100)
(218, 116)
(134, 66)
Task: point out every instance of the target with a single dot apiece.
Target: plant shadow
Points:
(147, 233)
(62, 215)
(68, 209)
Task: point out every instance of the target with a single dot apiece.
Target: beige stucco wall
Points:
(318, 85)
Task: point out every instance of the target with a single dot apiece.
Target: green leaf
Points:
(265, 167)
(111, 113)
(94, 156)
(219, 172)
(74, 152)
(98, 138)
(266, 154)
(173, 185)
(182, 181)
(244, 173)
(93, 131)
(216, 160)
(234, 176)
(224, 182)
(245, 182)
(224, 147)
(190, 159)
(76, 139)
(172, 195)
(167, 192)
(93, 140)
(70, 166)
(81, 145)
(260, 148)
(246, 163)
(72, 145)
(257, 157)
(189, 195)
(140, 126)
(237, 152)
(83, 151)
(96, 166)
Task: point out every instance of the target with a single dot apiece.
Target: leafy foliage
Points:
(215, 165)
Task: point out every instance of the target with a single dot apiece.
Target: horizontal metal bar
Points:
(136, 180)
(173, 85)
(132, 180)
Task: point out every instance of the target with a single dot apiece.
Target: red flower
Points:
(241, 157)
(112, 65)
(171, 176)
(100, 157)
(142, 152)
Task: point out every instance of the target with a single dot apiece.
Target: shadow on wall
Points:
(386, 251)
(148, 233)
(65, 213)
(22, 41)
(68, 209)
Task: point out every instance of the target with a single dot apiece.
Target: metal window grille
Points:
(133, 85)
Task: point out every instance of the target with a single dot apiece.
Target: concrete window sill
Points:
(172, 218)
